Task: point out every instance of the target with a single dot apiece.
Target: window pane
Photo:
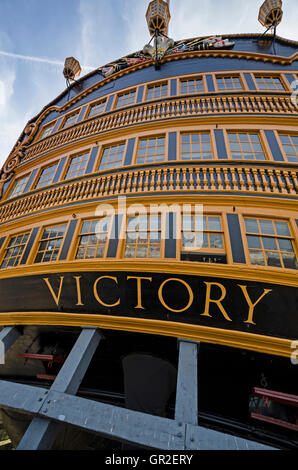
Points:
(273, 258)
(289, 261)
(269, 243)
(267, 227)
(251, 226)
(216, 241)
(256, 257)
(253, 242)
(214, 223)
(285, 245)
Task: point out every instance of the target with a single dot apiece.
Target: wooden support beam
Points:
(186, 409)
(41, 433)
(8, 336)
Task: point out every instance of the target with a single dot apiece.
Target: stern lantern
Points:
(72, 68)
(158, 17)
(270, 14)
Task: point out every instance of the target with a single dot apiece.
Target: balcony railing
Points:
(170, 109)
(211, 179)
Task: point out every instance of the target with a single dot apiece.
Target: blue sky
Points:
(95, 32)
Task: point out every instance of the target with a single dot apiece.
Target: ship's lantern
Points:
(158, 16)
(72, 68)
(270, 14)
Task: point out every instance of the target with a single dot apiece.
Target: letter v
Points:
(55, 297)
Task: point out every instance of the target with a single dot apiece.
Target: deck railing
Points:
(211, 179)
(173, 108)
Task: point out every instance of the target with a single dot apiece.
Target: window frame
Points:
(39, 173)
(40, 135)
(13, 184)
(123, 235)
(270, 75)
(39, 240)
(262, 138)
(107, 145)
(75, 112)
(231, 74)
(288, 133)
(152, 135)
(194, 77)
(271, 218)
(197, 131)
(95, 103)
(218, 251)
(6, 247)
(79, 234)
(122, 93)
(155, 85)
(68, 164)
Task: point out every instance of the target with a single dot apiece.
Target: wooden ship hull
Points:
(210, 128)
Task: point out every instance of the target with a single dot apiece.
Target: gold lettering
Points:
(79, 294)
(96, 293)
(161, 299)
(250, 304)
(55, 297)
(139, 287)
(217, 302)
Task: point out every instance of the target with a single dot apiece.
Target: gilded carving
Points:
(160, 47)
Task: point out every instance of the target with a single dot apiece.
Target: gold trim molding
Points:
(187, 268)
(235, 339)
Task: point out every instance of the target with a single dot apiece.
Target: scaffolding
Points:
(60, 405)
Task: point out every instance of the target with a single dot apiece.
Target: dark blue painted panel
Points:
(220, 144)
(91, 161)
(274, 147)
(236, 239)
(175, 68)
(82, 113)
(109, 103)
(2, 241)
(170, 241)
(29, 245)
(5, 187)
(57, 123)
(114, 238)
(129, 152)
(210, 83)
(30, 181)
(140, 94)
(173, 89)
(59, 170)
(68, 239)
(172, 152)
(250, 83)
(297, 223)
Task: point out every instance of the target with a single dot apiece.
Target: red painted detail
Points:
(46, 377)
(43, 357)
(278, 422)
(279, 397)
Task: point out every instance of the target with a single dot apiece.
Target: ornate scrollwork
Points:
(17, 154)
(29, 131)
